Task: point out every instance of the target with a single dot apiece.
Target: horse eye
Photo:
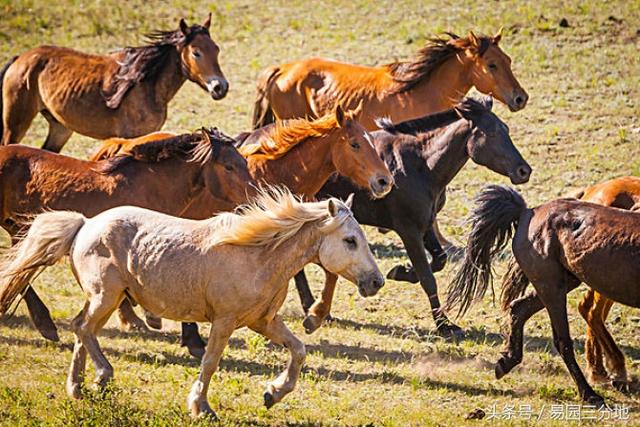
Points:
(355, 145)
(493, 67)
(228, 167)
(351, 242)
(195, 54)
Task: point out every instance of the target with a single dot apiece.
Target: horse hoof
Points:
(50, 334)
(450, 331)
(154, 323)
(269, 401)
(74, 391)
(402, 273)
(499, 370)
(196, 351)
(311, 324)
(595, 400)
(621, 385)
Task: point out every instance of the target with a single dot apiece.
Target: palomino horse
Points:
(230, 270)
(301, 155)
(557, 246)
(623, 193)
(437, 79)
(123, 94)
(424, 155)
(166, 175)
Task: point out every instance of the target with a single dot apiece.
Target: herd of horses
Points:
(204, 227)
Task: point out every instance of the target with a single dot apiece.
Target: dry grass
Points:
(380, 364)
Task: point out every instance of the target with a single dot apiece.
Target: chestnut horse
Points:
(556, 246)
(122, 94)
(230, 270)
(300, 154)
(437, 79)
(165, 175)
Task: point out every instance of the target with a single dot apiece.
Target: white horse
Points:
(231, 270)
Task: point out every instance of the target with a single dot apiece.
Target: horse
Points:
(622, 193)
(424, 155)
(165, 175)
(302, 155)
(556, 246)
(121, 94)
(230, 270)
(438, 78)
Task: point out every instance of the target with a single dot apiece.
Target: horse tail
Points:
(514, 284)
(49, 238)
(493, 222)
(3, 71)
(262, 111)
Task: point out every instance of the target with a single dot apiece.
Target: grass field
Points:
(380, 363)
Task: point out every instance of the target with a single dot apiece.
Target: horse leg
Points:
(554, 298)
(197, 401)
(191, 339)
(128, 318)
(438, 260)
(596, 371)
(302, 285)
(40, 315)
(613, 356)
(152, 320)
(58, 134)
(20, 107)
(278, 332)
(320, 309)
(75, 377)
(413, 243)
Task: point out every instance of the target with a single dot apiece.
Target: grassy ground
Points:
(380, 364)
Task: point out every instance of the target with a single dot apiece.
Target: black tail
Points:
(262, 112)
(514, 283)
(3, 71)
(494, 220)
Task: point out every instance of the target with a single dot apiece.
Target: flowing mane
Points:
(145, 62)
(274, 216)
(286, 134)
(432, 121)
(408, 74)
(199, 146)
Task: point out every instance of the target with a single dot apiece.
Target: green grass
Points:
(381, 363)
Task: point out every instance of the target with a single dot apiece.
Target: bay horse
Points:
(622, 193)
(300, 154)
(230, 270)
(121, 94)
(439, 77)
(165, 175)
(557, 246)
(424, 155)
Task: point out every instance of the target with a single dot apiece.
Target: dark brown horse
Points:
(165, 175)
(557, 246)
(424, 155)
(123, 94)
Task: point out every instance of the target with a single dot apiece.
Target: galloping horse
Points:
(623, 193)
(122, 94)
(556, 246)
(302, 155)
(165, 175)
(231, 270)
(437, 79)
(424, 155)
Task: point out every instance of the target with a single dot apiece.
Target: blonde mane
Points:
(286, 134)
(272, 218)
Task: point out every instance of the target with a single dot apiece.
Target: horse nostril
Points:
(382, 182)
(523, 171)
(519, 100)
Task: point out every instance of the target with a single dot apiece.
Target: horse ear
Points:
(333, 208)
(487, 102)
(184, 27)
(473, 39)
(349, 202)
(340, 115)
(207, 22)
(498, 36)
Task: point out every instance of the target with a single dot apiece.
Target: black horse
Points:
(424, 155)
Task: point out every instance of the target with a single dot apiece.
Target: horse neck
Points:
(170, 186)
(447, 154)
(169, 80)
(304, 169)
(442, 89)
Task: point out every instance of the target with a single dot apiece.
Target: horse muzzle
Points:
(518, 100)
(370, 284)
(521, 174)
(217, 88)
(381, 186)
